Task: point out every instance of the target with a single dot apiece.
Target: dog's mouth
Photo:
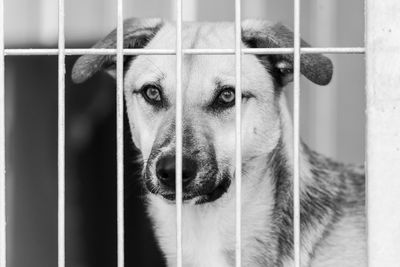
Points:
(201, 196)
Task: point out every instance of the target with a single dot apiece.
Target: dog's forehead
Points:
(201, 73)
(196, 35)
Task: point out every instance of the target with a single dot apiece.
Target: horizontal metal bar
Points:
(87, 51)
(143, 51)
(332, 50)
(305, 50)
(209, 51)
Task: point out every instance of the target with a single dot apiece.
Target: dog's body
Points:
(333, 219)
(332, 194)
(333, 237)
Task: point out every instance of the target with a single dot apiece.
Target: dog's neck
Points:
(315, 217)
(267, 208)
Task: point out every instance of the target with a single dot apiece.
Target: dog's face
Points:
(208, 85)
(208, 89)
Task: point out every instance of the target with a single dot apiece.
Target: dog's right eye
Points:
(152, 95)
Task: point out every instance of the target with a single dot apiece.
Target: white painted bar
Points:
(61, 135)
(145, 51)
(296, 135)
(3, 245)
(306, 50)
(383, 132)
(178, 125)
(332, 50)
(238, 136)
(120, 135)
(86, 51)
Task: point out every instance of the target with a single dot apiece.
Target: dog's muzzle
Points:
(198, 182)
(165, 171)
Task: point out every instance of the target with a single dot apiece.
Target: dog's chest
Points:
(208, 231)
(206, 241)
(207, 234)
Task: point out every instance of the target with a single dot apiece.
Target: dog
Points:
(333, 227)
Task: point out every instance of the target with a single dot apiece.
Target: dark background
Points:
(91, 228)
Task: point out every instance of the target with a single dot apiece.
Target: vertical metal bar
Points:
(3, 245)
(238, 135)
(61, 135)
(383, 132)
(120, 135)
(296, 134)
(178, 126)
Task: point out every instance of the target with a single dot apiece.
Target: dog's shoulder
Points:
(343, 242)
(349, 177)
(345, 183)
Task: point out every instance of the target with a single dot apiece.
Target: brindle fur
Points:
(336, 190)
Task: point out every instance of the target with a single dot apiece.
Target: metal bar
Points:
(332, 50)
(178, 125)
(3, 245)
(209, 51)
(383, 132)
(238, 134)
(61, 135)
(296, 136)
(261, 51)
(143, 51)
(120, 135)
(87, 51)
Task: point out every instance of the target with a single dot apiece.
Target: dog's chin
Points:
(198, 197)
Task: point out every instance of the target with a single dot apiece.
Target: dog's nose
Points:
(165, 169)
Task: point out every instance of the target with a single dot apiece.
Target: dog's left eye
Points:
(225, 99)
(152, 94)
(227, 96)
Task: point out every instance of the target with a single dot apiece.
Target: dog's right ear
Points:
(137, 34)
(263, 34)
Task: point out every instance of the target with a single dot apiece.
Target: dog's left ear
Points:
(137, 34)
(262, 34)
